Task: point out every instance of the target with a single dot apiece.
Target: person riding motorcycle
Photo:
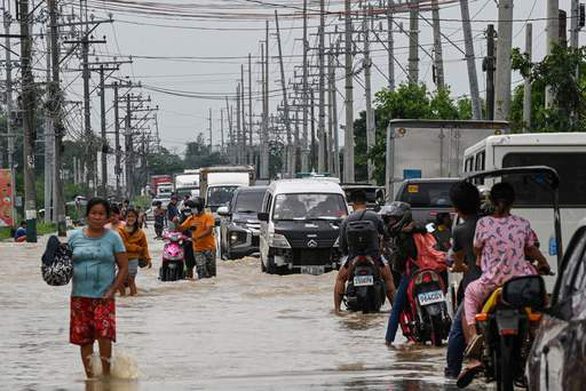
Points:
(400, 248)
(185, 213)
(361, 213)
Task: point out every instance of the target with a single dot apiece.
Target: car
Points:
(428, 197)
(375, 195)
(239, 224)
(300, 226)
(555, 361)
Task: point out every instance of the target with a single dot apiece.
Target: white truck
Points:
(187, 183)
(432, 148)
(217, 184)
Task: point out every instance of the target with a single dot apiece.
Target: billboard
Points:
(6, 195)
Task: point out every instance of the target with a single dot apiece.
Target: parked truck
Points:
(161, 181)
(187, 183)
(432, 148)
(217, 184)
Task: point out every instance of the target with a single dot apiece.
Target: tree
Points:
(164, 162)
(557, 70)
(198, 154)
(409, 101)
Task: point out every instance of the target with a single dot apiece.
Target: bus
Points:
(566, 153)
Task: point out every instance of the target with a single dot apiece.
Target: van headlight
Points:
(278, 241)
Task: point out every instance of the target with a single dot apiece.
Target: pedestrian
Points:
(125, 205)
(172, 212)
(20, 234)
(204, 243)
(115, 222)
(142, 218)
(466, 201)
(97, 252)
(137, 249)
(159, 214)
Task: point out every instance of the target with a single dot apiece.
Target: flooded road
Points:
(243, 330)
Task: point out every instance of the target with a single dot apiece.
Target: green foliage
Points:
(164, 162)
(198, 154)
(142, 201)
(409, 101)
(557, 70)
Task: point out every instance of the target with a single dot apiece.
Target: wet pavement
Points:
(242, 330)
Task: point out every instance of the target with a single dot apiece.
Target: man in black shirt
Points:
(466, 200)
(372, 249)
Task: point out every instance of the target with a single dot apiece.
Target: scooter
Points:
(426, 317)
(173, 267)
(365, 290)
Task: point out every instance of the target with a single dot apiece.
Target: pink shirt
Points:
(503, 242)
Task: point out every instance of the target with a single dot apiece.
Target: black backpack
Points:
(57, 266)
(360, 234)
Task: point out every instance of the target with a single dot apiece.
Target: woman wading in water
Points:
(96, 253)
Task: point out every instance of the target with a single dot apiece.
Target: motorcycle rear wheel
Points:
(437, 331)
(506, 368)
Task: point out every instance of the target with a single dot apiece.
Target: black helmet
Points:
(400, 212)
(189, 204)
(198, 204)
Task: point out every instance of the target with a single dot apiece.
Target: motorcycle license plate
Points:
(431, 297)
(363, 280)
(315, 270)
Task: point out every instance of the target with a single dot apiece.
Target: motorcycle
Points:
(173, 267)
(507, 324)
(426, 317)
(365, 290)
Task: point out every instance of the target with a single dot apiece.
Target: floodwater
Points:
(243, 330)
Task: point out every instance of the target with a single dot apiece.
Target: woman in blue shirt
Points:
(96, 253)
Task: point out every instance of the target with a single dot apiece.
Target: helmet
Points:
(396, 215)
(198, 204)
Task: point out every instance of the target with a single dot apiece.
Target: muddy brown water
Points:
(242, 330)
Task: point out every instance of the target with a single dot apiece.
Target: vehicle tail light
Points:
(508, 332)
(363, 272)
(535, 318)
(482, 317)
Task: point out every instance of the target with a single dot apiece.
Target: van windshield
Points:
(249, 202)
(311, 206)
(427, 194)
(220, 195)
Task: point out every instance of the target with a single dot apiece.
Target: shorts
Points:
(189, 255)
(92, 319)
(133, 267)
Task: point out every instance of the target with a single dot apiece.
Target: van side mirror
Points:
(525, 291)
(263, 216)
(223, 211)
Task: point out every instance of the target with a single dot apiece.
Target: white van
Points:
(300, 226)
(565, 152)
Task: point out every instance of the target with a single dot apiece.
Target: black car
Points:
(427, 197)
(559, 351)
(239, 225)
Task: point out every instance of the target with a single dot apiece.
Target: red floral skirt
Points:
(92, 319)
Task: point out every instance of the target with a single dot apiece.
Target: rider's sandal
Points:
(468, 375)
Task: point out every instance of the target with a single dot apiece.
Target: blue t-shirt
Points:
(20, 232)
(94, 262)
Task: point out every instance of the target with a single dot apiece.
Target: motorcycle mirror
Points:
(431, 228)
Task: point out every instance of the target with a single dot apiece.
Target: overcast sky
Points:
(216, 47)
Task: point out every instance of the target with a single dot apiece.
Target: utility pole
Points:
(290, 166)
(527, 84)
(264, 145)
(334, 110)
(266, 157)
(211, 131)
(470, 60)
(28, 125)
(553, 37)
(321, 133)
(237, 144)
(370, 125)
(222, 131)
(437, 46)
(104, 154)
(503, 59)
(304, 95)
(129, 150)
(9, 130)
(575, 24)
(414, 41)
(118, 168)
(243, 138)
(391, 45)
(489, 68)
(349, 98)
(250, 117)
(49, 129)
(55, 109)
(90, 153)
